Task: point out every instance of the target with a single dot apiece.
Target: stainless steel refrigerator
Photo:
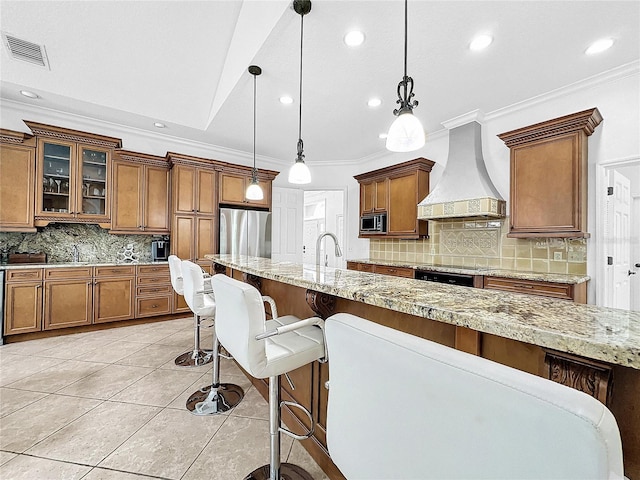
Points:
(245, 232)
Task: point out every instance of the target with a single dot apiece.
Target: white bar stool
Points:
(217, 397)
(267, 349)
(461, 416)
(197, 356)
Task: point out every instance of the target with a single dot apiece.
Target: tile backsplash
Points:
(95, 244)
(484, 243)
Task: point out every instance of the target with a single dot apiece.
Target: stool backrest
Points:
(403, 407)
(240, 316)
(193, 277)
(175, 270)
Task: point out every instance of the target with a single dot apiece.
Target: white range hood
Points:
(465, 189)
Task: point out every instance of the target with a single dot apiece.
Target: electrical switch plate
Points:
(557, 256)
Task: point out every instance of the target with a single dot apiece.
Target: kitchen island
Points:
(582, 346)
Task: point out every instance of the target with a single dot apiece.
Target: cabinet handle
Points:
(519, 285)
(38, 286)
(115, 270)
(155, 305)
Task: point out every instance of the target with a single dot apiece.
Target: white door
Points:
(287, 213)
(618, 242)
(635, 253)
(312, 228)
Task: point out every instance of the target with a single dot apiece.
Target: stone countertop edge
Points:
(485, 271)
(20, 266)
(606, 334)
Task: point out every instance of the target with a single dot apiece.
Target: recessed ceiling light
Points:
(599, 46)
(374, 102)
(159, 125)
(286, 100)
(382, 135)
(480, 42)
(29, 94)
(354, 38)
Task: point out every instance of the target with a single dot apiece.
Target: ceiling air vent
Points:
(25, 50)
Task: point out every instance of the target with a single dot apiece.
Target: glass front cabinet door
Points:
(73, 181)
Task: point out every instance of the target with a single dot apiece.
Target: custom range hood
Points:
(465, 189)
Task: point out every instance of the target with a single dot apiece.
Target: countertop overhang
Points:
(609, 335)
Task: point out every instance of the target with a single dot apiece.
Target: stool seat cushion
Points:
(240, 316)
(403, 407)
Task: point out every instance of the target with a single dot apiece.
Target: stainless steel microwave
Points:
(374, 223)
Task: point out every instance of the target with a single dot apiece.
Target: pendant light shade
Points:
(299, 173)
(254, 191)
(406, 132)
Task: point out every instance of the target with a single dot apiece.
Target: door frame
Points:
(599, 273)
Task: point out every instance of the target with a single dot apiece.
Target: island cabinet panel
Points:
(17, 181)
(113, 293)
(23, 307)
(67, 303)
(396, 190)
(548, 184)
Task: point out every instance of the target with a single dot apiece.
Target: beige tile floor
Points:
(109, 405)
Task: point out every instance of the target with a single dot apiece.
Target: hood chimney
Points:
(465, 189)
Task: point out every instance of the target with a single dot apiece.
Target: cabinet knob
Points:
(155, 305)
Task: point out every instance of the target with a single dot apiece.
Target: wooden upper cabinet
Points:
(548, 190)
(234, 185)
(73, 176)
(205, 193)
(374, 196)
(17, 181)
(141, 194)
(193, 186)
(396, 190)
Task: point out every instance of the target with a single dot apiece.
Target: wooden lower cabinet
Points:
(113, 293)
(573, 292)
(381, 269)
(23, 307)
(67, 303)
(154, 293)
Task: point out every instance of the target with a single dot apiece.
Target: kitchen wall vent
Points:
(26, 51)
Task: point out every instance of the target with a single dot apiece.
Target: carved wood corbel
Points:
(588, 376)
(322, 304)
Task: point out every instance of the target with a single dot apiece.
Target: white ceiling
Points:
(184, 63)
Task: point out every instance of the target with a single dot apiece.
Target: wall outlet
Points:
(557, 256)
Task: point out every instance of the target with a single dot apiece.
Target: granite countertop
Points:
(610, 335)
(18, 266)
(485, 271)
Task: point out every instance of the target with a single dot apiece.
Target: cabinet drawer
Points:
(153, 270)
(65, 273)
(545, 289)
(24, 275)
(105, 271)
(154, 291)
(395, 271)
(147, 307)
(158, 280)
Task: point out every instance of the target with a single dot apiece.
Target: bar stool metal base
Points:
(288, 471)
(228, 396)
(194, 358)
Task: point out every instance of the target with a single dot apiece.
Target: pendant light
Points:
(406, 133)
(254, 192)
(299, 172)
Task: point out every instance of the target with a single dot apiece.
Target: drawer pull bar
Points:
(519, 285)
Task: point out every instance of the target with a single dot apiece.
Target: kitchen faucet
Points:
(335, 240)
(76, 253)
